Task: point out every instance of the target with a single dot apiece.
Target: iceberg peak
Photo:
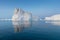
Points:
(20, 15)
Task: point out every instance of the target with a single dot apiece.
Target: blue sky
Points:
(40, 8)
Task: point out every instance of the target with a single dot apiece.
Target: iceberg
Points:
(54, 17)
(27, 16)
(21, 15)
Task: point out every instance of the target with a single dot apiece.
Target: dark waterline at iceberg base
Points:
(29, 31)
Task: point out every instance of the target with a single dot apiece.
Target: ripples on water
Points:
(29, 30)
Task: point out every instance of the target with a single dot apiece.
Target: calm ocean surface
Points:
(40, 30)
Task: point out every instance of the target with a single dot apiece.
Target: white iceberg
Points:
(54, 17)
(20, 15)
(27, 16)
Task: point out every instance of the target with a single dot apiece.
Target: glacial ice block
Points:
(20, 15)
(27, 16)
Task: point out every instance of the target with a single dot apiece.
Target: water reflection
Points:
(20, 26)
(57, 23)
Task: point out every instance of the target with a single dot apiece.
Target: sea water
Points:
(34, 30)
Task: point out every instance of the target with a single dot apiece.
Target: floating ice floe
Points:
(54, 17)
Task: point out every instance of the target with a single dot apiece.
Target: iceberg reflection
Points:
(57, 23)
(20, 26)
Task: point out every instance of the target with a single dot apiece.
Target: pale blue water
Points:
(29, 31)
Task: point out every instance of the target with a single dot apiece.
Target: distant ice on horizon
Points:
(54, 17)
(5, 19)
